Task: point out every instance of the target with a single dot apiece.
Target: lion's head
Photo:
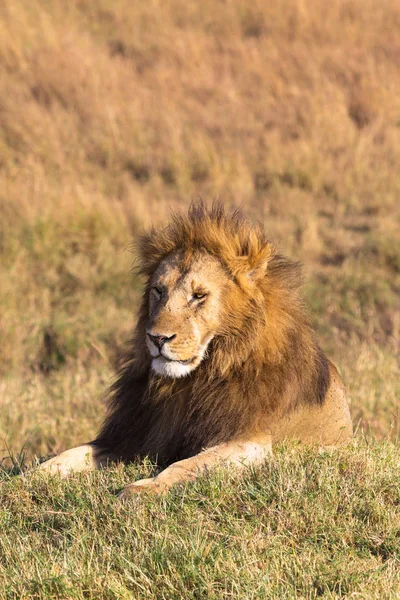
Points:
(201, 270)
(184, 312)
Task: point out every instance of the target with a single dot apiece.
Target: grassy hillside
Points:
(306, 525)
(111, 114)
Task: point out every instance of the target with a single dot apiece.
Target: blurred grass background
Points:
(112, 113)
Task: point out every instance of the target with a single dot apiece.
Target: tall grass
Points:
(111, 113)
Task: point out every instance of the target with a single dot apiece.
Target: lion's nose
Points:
(160, 340)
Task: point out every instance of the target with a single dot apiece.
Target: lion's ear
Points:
(259, 263)
(258, 272)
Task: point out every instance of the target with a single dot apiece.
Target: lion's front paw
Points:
(79, 459)
(55, 466)
(143, 486)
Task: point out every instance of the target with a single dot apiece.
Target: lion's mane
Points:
(267, 360)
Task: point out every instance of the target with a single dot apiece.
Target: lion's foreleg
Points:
(249, 452)
(76, 460)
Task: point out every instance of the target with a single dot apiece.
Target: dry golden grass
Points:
(111, 113)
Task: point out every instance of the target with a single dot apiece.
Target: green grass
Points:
(307, 524)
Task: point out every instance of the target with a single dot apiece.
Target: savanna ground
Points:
(111, 114)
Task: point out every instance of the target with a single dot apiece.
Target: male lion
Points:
(223, 362)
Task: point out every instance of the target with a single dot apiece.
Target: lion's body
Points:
(327, 424)
(223, 355)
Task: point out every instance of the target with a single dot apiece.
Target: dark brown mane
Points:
(266, 361)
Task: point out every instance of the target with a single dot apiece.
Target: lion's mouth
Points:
(189, 361)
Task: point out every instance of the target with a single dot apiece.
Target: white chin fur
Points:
(171, 369)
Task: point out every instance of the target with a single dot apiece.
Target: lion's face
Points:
(184, 312)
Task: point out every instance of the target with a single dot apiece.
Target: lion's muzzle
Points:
(170, 355)
(160, 340)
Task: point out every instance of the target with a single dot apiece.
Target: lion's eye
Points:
(199, 295)
(158, 291)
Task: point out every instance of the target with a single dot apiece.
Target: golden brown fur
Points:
(262, 374)
(267, 358)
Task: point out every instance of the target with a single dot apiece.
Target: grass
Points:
(305, 525)
(111, 114)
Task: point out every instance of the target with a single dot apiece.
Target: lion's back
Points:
(327, 424)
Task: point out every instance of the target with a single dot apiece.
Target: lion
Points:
(224, 362)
